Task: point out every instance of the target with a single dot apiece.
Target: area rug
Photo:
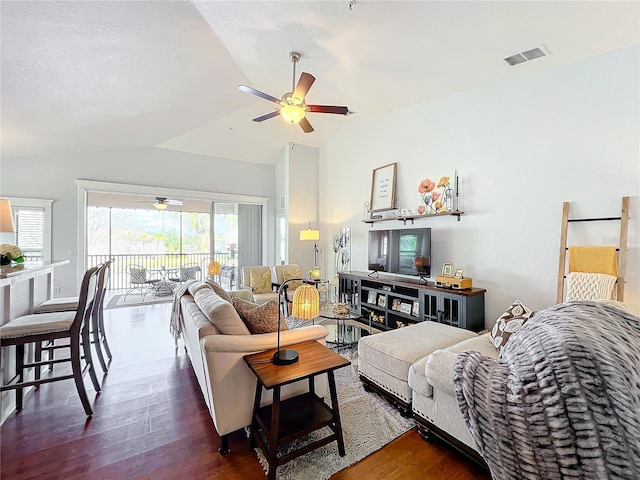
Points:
(368, 424)
(132, 300)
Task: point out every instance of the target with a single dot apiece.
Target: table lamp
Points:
(306, 305)
(214, 268)
(6, 217)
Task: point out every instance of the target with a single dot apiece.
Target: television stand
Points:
(393, 303)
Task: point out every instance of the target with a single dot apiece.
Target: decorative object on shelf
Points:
(447, 269)
(437, 198)
(313, 235)
(415, 311)
(10, 253)
(371, 297)
(383, 188)
(6, 217)
(341, 308)
(405, 308)
(382, 301)
(306, 305)
(396, 304)
(458, 273)
(366, 214)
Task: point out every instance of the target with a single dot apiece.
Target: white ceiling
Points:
(98, 75)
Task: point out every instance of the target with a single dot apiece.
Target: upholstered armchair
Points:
(259, 280)
(282, 274)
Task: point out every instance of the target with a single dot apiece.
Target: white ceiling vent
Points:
(526, 56)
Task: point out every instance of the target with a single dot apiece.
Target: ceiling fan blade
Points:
(329, 109)
(304, 84)
(173, 202)
(267, 116)
(305, 125)
(258, 93)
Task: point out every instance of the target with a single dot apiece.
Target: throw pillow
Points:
(289, 274)
(260, 282)
(221, 292)
(259, 318)
(508, 323)
(220, 313)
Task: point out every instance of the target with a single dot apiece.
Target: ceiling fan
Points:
(292, 105)
(162, 202)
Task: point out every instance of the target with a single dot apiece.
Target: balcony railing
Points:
(119, 278)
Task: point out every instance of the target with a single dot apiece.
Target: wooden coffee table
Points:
(286, 420)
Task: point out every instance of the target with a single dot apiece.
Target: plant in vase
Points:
(10, 253)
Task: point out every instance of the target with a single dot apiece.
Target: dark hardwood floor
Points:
(150, 421)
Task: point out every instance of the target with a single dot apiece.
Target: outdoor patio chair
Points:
(186, 272)
(139, 280)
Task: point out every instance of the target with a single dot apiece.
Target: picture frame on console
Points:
(415, 311)
(383, 188)
(382, 301)
(371, 297)
(405, 308)
(447, 269)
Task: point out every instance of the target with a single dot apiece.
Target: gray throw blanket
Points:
(563, 402)
(175, 326)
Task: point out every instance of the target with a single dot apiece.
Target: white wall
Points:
(521, 147)
(53, 178)
(301, 163)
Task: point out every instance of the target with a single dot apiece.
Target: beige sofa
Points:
(413, 368)
(216, 340)
(434, 405)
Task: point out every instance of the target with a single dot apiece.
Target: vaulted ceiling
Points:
(98, 75)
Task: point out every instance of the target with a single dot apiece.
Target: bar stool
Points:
(38, 328)
(97, 332)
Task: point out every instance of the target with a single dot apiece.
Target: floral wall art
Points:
(436, 197)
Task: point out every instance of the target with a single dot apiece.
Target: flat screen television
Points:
(406, 251)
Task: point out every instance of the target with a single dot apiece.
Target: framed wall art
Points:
(383, 188)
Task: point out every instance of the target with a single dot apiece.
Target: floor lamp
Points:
(306, 305)
(315, 236)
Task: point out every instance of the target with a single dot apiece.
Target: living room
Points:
(522, 139)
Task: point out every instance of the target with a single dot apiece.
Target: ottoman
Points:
(384, 359)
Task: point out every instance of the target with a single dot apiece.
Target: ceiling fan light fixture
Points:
(160, 205)
(292, 113)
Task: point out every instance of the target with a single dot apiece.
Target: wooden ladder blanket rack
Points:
(622, 247)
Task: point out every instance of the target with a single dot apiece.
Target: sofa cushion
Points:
(259, 318)
(509, 322)
(220, 312)
(221, 292)
(440, 364)
(192, 313)
(260, 282)
(194, 286)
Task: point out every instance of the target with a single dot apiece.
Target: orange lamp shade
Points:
(306, 302)
(214, 268)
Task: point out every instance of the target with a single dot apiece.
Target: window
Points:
(32, 221)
